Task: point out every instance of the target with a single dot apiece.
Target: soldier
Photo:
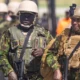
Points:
(3, 12)
(12, 8)
(12, 44)
(3, 18)
(65, 47)
(8, 16)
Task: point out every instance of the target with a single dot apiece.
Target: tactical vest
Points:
(67, 46)
(37, 39)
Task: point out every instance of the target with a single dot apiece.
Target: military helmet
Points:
(12, 6)
(3, 7)
(28, 6)
(77, 12)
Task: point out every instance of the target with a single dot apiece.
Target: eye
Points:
(76, 19)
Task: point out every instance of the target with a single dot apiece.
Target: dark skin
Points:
(26, 18)
(37, 52)
(76, 25)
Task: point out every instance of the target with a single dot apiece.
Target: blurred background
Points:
(51, 11)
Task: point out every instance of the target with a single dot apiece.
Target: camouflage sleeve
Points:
(47, 33)
(4, 48)
(49, 37)
(51, 58)
(51, 61)
(4, 26)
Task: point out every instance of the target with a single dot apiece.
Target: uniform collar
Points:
(23, 29)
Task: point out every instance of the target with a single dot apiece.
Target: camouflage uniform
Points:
(14, 39)
(6, 25)
(63, 46)
(4, 22)
(12, 42)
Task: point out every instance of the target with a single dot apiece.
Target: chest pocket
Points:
(39, 42)
(14, 44)
(19, 43)
(17, 38)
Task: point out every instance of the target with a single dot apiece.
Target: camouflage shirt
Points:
(13, 38)
(5, 25)
(64, 45)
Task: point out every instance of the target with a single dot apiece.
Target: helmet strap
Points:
(34, 22)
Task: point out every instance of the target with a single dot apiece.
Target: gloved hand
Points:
(57, 75)
(37, 52)
(12, 76)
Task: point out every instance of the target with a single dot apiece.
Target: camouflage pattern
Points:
(36, 40)
(13, 40)
(52, 62)
(64, 45)
(5, 25)
(3, 53)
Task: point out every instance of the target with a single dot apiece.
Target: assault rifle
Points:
(67, 61)
(19, 69)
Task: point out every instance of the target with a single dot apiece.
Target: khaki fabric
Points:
(67, 45)
(74, 62)
(45, 70)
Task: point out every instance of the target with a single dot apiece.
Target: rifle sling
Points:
(76, 47)
(25, 43)
(67, 60)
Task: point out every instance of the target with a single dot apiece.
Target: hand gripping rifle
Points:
(67, 61)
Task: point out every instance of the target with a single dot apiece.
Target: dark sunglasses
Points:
(76, 19)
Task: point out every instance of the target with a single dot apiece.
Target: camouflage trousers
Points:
(33, 76)
(74, 74)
